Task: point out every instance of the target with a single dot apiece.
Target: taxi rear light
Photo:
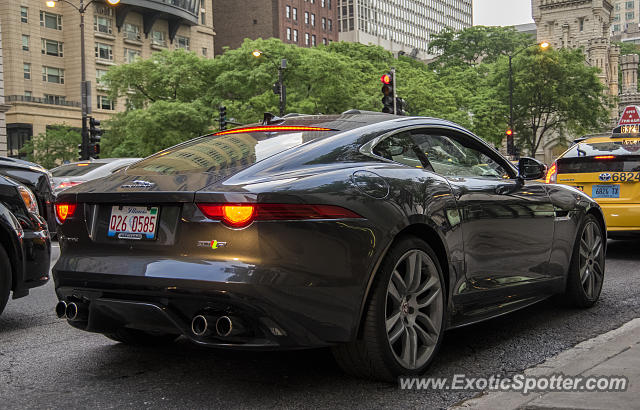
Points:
(241, 215)
(271, 128)
(64, 211)
(552, 174)
(604, 156)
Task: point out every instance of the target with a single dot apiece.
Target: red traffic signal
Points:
(509, 132)
(386, 79)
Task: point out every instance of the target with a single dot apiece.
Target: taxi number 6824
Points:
(625, 176)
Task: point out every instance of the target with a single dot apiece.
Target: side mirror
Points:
(530, 168)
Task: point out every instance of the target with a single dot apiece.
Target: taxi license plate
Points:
(133, 222)
(605, 191)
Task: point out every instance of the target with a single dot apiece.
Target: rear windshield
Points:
(223, 153)
(72, 170)
(613, 156)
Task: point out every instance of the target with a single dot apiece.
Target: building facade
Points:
(3, 107)
(626, 16)
(306, 23)
(401, 26)
(584, 24)
(42, 67)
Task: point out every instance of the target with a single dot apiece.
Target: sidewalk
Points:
(616, 353)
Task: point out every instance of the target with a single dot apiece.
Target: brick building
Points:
(3, 107)
(302, 22)
(42, 54)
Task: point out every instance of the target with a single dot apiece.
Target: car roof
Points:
(20, 163)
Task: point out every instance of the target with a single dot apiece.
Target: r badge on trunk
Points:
(211, 244)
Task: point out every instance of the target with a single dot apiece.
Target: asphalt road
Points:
(44, 363)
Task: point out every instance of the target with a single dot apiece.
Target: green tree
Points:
(555, 92)
(473, 45)
(142, 132)
(58, 144)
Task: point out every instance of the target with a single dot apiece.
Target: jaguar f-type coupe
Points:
(366, 232)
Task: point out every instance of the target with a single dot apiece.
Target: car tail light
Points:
(604, 156)
(241, 215)
(552, 174)
(64, 211)
(29, 199)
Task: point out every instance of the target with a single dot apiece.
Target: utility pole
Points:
(282, 87)
(395, 93)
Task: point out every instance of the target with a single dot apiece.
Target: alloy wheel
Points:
(591, 259)
(414, 309)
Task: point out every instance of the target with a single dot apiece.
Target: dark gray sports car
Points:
(367, 232)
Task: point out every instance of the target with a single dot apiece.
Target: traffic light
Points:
(509, 132)
(95, 134)
(387, 92)
(81, 152)
(223, 118)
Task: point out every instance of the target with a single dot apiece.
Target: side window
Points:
(456, 157)
(399, 148)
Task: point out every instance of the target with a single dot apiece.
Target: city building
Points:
(401, 26)
(3, 107)
(42, 54)
(626, 16)
(584, 24)
(306, 23)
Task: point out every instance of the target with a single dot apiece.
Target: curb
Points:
(572, 362)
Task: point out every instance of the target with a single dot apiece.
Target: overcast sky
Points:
(501, 12)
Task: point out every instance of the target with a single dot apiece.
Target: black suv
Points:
(25, 246)
(38, 180)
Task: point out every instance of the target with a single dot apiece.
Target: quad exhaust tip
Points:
(199, 325)
(72, 311)
(223, 326)
(61, 309)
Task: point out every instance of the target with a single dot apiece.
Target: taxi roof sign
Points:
(630, 116)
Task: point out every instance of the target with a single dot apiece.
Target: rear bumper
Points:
(621, 217)
(275, 317)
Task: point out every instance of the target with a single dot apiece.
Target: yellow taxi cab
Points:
(607, 168)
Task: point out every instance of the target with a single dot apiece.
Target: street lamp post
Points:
(280, 87)
(84, 92)
(510, 145)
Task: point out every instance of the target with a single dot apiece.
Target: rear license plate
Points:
(133, 222)
(605, 191)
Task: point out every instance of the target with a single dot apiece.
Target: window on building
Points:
(581, 24)
(51, 20)
(102, 24)
(131, 55)
(25, 42)
(330, 24)
(616, 27)
(616, 17)
(17, 135)
(99, 74)
(182, 42)
(203, 15)
(329, 4)
(324, 41)
(28, 95)
(629, 15)
(24, 14)
(132, 32)
(324, 23)
(295, 14)
(306, 17)
(26, 68)
(313, 40)
(322, 3)
(306, 39)
(295, 35)
(629, 5)
(54, 99)
(53, 75)
(158, 38)
(104, 51)
(204, 51)
(104, 103)
(52, 47)
(313, 19)
(287, 12)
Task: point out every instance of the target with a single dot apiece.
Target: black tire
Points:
(5, 278)
(136, 337)
(375, 355)
(584, 286)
